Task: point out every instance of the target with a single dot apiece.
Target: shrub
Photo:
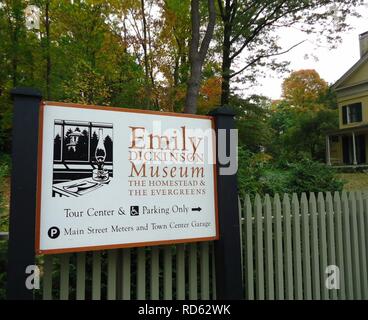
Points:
(249, 172)
(256, 174)
(311, 176)
(4, 173)
(274, 181)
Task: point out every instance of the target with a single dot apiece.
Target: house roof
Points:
(348, 73)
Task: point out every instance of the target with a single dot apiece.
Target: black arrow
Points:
(197, 209)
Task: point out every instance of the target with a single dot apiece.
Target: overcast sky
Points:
(330, 64)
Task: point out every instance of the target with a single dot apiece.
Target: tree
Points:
(143, 24)
(158, 40)
(48, 54)
(304, 88)
(16, 32)
(252, 121)
(148, 53)
(209, 94)
(108, 145)
(57, 147)
(91, 63)
(250, 28)
(197, 53)
(44, 33)
(93, 142)
(308, 136)
(301, 120)
(172, 54)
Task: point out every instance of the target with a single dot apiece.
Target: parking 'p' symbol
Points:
(53, 232)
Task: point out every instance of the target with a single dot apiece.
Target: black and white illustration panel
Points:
(83, 157)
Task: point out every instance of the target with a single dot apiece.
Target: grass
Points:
(354, 181)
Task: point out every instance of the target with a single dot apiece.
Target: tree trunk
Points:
(193, 87)
(226, 66)
(15, 21)
(144, 42)
(145, 54)
(227, 11)
(176, 71)
(48, 56)
(197, 53)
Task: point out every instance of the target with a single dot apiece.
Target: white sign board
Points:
(111, 177)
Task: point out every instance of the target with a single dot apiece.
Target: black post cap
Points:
(222, 111)
(26, 91)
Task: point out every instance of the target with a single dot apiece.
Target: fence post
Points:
(229, 284)
(21, 251)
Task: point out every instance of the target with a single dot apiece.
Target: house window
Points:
(352, 113)
(334, 139)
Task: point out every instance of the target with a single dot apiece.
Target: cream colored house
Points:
(349, 144)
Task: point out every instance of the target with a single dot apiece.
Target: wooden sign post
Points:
(229, 282)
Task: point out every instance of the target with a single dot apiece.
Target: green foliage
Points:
(5, 162)
(290, 136)
(6, 116)
(248, 172)
(79, 56)
(275, 180)
(281, 117)
(258, 174)
(310, 176)
(253, 27)
(293, 128)
(251, 121)
(300, 134)
(4, 174)
(301, 121)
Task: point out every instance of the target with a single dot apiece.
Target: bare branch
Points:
(221, 7)
(265, 56)
(233, 9)
(209, 32)
(268, 21)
